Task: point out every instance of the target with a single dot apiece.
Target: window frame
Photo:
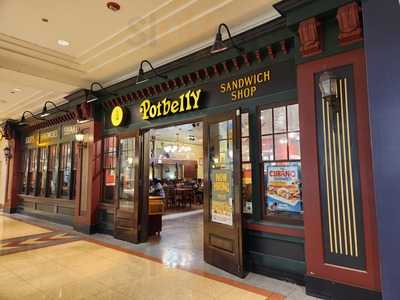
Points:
(104, 168)
(282, 219)
(59, 170)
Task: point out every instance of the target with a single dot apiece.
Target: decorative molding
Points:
(348, 17)
(310, 37)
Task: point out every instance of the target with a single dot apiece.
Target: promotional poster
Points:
(283, 189)
(222, 196)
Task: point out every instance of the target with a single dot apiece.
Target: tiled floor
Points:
(79, 269)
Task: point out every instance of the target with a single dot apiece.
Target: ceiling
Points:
(104, 45)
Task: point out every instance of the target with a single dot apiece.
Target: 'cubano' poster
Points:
(222, 196)
(283, 189)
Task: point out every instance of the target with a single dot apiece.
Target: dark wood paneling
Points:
(316, 265)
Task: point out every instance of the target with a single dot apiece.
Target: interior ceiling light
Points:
(16, 90)
(63, 43)
(220, 45)
(114, 6)
(45, 20)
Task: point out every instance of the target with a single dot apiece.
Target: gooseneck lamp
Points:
(22, 122)
(91, 96)
(45, 111)
(219, 45)
(141, 76)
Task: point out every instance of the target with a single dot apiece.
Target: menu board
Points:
(283, 189)
(222, 196)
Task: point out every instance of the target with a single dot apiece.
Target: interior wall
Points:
(382, 47)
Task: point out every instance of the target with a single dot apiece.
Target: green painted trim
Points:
(273, 236)
(277, 263)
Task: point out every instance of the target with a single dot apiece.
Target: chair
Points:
(170, 197)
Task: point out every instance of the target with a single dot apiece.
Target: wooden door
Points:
(223, 236)
(126, 220)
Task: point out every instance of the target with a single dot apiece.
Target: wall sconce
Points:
(79, 138)
(328, 88)
(91, 95)
(45, 111)
(141, 77)
(7, 153)
(219, 45)
(23, 122)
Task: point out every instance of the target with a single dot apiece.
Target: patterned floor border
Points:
(69, 237)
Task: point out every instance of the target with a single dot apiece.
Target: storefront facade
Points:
(308, 213)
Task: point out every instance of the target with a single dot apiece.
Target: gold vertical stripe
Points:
(337, 190)
(331, 178)
(346, 251)
(327, 179)
(346, 178)
(350, 171)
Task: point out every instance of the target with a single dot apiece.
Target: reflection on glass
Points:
(279, 119)
(51, 173)
(32, 171)
(294, 145)
(127, 173)
(266, 121)
(293, 117)
(109, 168)
(221, 171)
(42, 171)
(280, 141)
(65, 169)
(267, 148)
(246, 182)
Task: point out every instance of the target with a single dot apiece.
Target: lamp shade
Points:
(328, 85)
(79, 137)
(140, 77)
(44, 112)
(218, 45)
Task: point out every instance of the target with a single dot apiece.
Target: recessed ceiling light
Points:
(45, 20)
(16, 90)
(114, 6)
(63, 43)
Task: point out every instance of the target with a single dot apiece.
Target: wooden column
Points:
(14, 176)
(85, 213)
(323, 261)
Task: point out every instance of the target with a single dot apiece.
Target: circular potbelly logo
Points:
(117, 116)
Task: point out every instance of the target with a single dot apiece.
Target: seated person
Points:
(156, 188)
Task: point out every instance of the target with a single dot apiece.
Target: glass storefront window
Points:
(64, 172)
(280, 153)
(42, 171)
(246, 165)
(51, 172)
(221, 171)
(24, 173)
(109, 168)
(127, 173)
(32, 171)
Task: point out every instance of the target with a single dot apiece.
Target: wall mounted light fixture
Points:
(328, 87)
(7, 153)
(92, 94)
(141, 77)
(23, 122)
(80, 139)
(45, 112)
(219, 45)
